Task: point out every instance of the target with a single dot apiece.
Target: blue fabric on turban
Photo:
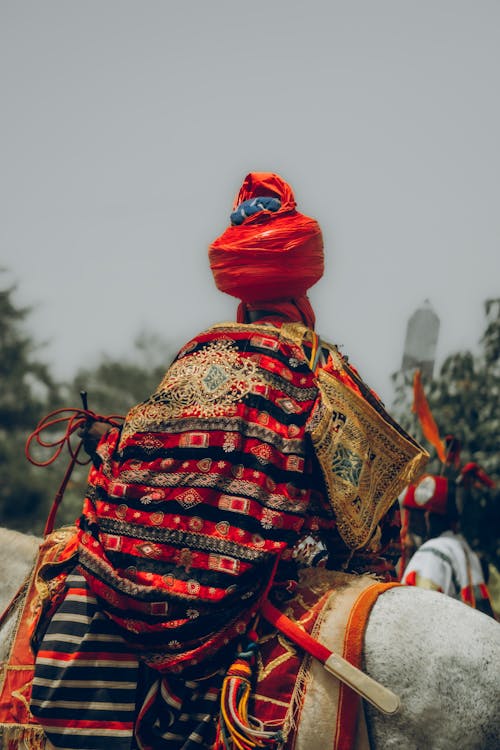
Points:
(253, 206)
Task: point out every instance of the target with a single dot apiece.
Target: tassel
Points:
(237, 729)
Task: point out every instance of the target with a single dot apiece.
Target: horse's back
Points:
(442, 658)
(437, 654)
(17, 554)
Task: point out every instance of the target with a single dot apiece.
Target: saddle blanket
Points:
(333, 607)
(331, 603)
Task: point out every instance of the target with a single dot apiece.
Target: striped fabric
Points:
(84, 689)
(177, 714)
(88, 688)
(209, 482)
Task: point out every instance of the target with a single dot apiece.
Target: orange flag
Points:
(421, 409)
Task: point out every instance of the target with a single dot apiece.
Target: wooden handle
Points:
(378, 695)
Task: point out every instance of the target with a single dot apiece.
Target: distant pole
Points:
(421, 340)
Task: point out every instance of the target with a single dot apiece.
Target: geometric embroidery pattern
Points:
(206, 383)
(365, 456)
(263, 453)
(189, 498)
(206, 484)
(347, 465)
(148, 549)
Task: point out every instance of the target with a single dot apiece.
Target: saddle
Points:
(333, 608)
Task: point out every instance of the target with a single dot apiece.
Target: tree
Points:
(28, 391)
(464, 399)
(115, 385)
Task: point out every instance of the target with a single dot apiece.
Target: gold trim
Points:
(365, 456)
(272, 701)
(207, 383)
(290, 650)
(366, 460)
(28, 736)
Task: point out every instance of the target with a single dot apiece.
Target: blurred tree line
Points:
(29, 392)
(464, 398)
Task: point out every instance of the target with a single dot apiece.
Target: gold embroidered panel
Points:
(207, 383)
(366, 461)
(366, 458)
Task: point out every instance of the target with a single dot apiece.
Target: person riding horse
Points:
(261, 451)
(445, 561)
(414, 529)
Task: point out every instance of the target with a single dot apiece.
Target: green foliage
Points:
(115, 385)
(26, 383)
(27, 393)
(465, 401)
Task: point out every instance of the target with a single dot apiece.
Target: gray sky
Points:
(127, 128)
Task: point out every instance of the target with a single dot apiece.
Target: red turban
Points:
(272, 255)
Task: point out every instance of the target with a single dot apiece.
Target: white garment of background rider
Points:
(444, 561)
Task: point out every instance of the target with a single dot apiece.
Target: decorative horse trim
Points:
(378, 695)
(265, 688)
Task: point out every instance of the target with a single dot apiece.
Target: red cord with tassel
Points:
(74, 420)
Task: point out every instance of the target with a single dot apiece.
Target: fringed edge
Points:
(14, 736)
(301, 686)
(304, 675)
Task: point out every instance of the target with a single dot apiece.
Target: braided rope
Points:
(75, 420)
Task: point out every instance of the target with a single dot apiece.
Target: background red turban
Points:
(272, 255)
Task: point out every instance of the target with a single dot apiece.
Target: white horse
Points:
(441, 657)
